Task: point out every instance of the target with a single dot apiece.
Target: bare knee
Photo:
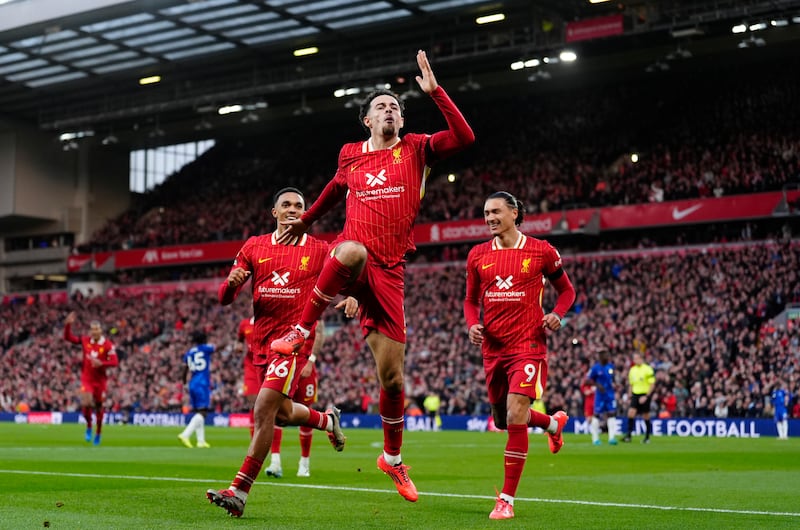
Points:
(267, 407)
(390, 372)
(392, 381)
(389, 358)
(351, 254)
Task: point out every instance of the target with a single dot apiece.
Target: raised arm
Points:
(459, 134)
(68, 335)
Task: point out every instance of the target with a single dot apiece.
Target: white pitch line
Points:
(424, 494)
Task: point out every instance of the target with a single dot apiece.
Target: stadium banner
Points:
(476, 229)
(681, 427)
(79, 262)
(239, 420)
(45, 297)
(594, 28)
(208, 285)
(757, 205)
(177, 255)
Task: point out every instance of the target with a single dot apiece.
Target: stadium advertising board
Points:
(681, 427)
(693, 211)
(594, 28)
(753, 206)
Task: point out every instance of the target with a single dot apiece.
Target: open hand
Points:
(426, 81)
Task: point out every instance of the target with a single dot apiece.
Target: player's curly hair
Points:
(199, 337)
(512, 202)
(364, 109)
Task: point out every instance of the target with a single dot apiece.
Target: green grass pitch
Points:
(141, 477)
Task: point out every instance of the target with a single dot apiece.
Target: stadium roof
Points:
(72, 66)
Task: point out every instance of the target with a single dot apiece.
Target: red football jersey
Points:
(385, 189)
(103, 350)
(509, 284)
(283, 277)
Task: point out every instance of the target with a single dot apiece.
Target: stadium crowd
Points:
(713, 140)
(700, 315)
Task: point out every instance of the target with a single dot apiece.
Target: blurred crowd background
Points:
(697, 301)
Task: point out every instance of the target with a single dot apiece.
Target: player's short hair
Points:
(94, 323)
(199, 337)
(288, 189)
(362, 112)
(512, 202)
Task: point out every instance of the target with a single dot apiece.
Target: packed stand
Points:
(699, 316)
(562, 149)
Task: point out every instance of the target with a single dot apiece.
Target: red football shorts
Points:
(588, 407)
(518, 374)
(380, 292)
(306, 392)
(282, 373)
(96, 388)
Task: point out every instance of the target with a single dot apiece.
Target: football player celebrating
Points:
(507, 277)
(98, 355)
(283, 274)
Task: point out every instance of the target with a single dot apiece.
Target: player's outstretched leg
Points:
(227, 500)
(399, 474)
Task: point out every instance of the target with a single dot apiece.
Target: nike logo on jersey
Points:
(680, 214)
(272, 378)
(525, 385)
(486, 266)
(263, 260)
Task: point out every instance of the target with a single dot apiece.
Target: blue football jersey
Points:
(779, 399)
(198, 359)
(603, 374)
